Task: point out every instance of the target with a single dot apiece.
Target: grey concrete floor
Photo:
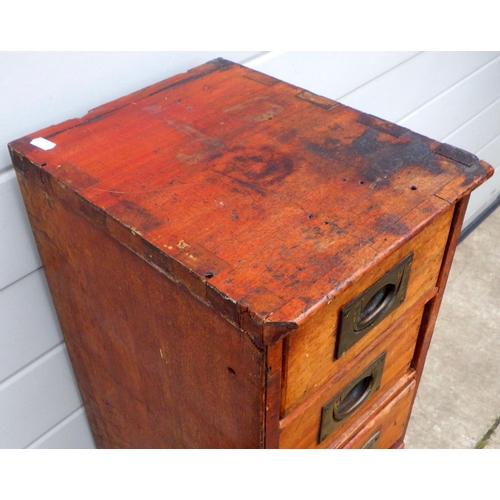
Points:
(458, 403)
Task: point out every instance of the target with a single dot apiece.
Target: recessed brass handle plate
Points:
(351, 397)
(370, 307)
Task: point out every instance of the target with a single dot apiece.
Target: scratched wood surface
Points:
(266, 200)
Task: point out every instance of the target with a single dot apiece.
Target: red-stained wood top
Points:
(263, 199)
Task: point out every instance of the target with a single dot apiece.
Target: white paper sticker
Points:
(42, 143)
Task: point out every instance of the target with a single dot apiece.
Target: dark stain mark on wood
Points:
(157, 256)
(217, 64)
(312, 233)
(382, 125)
(258, 169)
(222, 63)
(74, 176)
(249, 185)
(268, 168)
(456, 154)
(317, 100)
(134, 216)
(474, 170)
(267, 80)
(328, 149)
(338, 229)
(207, 152)
(388, 223)
(92, 119)
(92, 212)
(286, 135)
(383, 159)
(376, 160)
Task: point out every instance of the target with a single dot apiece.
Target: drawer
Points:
(310, 352)
(311, 424)
(385, 426)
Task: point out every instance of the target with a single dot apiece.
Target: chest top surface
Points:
(270, 198)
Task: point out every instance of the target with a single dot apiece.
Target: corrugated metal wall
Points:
(450, 96)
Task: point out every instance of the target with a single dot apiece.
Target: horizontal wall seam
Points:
(483, 111)
(33, 364)
(392, 68)
(56, 427)
(19, 279)
(449, 89)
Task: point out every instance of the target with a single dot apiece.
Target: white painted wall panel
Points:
(478, 131)
(18, 253)
(491, 154)
(331, 74)
(29, 325)
(481, 199)
(458, 104)
(36, 399)
(397, 93)
(481, 135)
(72, 433)
(489, 192)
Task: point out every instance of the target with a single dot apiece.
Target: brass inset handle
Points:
(375, 306)
(371, 306)
(351, 397)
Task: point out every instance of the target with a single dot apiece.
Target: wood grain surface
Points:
(264, 199)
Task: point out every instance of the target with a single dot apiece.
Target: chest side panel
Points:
(156, 367)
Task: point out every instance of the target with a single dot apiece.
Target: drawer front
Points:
(358, 387)
(386, 425)
(311, 352)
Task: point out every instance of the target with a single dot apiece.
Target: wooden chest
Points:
(237, 262)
